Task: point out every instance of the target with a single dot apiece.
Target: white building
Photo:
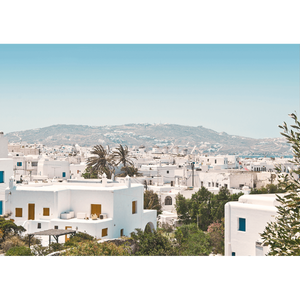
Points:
(71, 205)
(53, 168)
(245, 219)
(76, 170)
(6, 170)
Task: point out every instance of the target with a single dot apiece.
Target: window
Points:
(232, 253)
(168, 200)
(242, 224)
(134, 207)
(63, 174)
(104, 232)
(225, 185)
(55, 227)
(213, 184)
(34, 163)
(1, 209)
(46, 211)
(19, 213)
(19, 164)
(39, 225)
(209, 184)
(201, 183)
(1, 176)
(215, 161)
(122, 232)
(217, 185)
(167, 172)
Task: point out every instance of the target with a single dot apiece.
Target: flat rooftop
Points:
(60, 186)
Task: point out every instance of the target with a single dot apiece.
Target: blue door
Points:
(1, 176)
(1, 209)
(64, 174)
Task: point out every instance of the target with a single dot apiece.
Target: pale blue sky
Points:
(244, 90)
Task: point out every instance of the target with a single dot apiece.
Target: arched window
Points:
(168, 200)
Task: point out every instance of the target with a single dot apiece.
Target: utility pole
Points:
(193, 165)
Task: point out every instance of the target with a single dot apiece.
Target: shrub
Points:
(19, 251)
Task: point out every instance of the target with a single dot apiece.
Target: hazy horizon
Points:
(245, 90)
(138, 124)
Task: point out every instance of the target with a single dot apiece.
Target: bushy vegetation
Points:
(204, 207)
(19, 251)
(283, 235)
(151, 201)
(268, 189)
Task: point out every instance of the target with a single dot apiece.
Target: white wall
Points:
(53, 168)
(116, 202)
(257, 210)
(3, 146)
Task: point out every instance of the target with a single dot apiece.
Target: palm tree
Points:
(102, 162)
(121, 154)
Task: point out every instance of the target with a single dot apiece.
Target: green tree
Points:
(182, 206)
(90, 174)
(78, 237)
(268, 189)
(93, 248)
(101, 162)
(153, 244)
(192, 241)
(216, 235)
(19, 251)
(283, 235)
(151, 201)
(130, 171)
(9, 228)
(204, 207)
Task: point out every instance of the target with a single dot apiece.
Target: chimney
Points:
(104, 180)
(128, 181)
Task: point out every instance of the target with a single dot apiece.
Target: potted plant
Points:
(94, 217)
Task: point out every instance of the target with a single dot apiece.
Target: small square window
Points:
(55, 227)
(46, 211)
(232, 253)
(104, 231)
(39, 225)
(19, 164)
(167, 172)
(19, 212)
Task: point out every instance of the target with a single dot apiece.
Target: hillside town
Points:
(53, 193)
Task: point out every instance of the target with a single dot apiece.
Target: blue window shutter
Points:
(1, 176)
(64, 174)
(232, 253)
(242, 224)
(1, 207)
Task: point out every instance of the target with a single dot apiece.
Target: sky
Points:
(244, 89)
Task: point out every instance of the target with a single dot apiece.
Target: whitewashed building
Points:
(53, 168)
(104, 210)
(6, 170)
(245, 219)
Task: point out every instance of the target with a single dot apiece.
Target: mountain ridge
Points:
(137, 134)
